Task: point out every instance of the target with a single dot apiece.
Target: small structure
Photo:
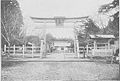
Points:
(62, 46)
(102, 41)
(102, 46)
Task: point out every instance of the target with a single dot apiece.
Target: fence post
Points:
(119, 63)
(77, 48)
(87, 49)
(40, 51)
(14, 49)
(23, 50)
(74, 50)
(32, 51)
(94, 48)
(41, 48)
(4, 48)
(108, 44)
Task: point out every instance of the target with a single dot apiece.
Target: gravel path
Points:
(39, 71)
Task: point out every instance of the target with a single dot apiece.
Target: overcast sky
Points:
(67, 8)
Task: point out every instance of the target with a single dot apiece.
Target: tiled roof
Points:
(61, 43)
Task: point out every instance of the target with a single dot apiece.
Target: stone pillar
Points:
(108, 44)
(5, 48)
(23, 50)
(41, 48)
(95, 46)
(44, 49)
(32, 51)
(77, 42)
(93, 51)
(45, 43)
(119, 64)
(74, 46)
(14, 49)
(87, 49)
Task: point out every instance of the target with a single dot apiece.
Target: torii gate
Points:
(59, 22)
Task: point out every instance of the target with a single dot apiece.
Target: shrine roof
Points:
(102, 36)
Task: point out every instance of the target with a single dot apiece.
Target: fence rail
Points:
(98, 51)
(102, 52)
(24, 51)
(69, 55)
(32, 51)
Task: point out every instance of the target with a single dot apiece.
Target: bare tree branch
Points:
(16, 38)
(5, 30)
(13, 25)
(5, 38)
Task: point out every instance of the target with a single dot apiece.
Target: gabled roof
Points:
(102, 36)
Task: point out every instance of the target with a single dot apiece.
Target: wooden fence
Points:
(24, 51)
(37, 51)
(102, 52)
(98, 51)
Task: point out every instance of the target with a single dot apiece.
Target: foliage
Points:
(91, 28)
(11, 21)
(84, 28)
(33, 39)
(49, 37)
(107, 7)
(113, 25)
(79, 27)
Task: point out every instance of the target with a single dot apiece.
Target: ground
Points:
(39, 71)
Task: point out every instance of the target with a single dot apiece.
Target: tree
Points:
(11, 21)
(91, 28)
(107, 7)
(49, 37)
(33, 39)
(83, 28)
(113, 25)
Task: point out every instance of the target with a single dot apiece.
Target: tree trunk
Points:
(8, 50)
(119, 65)
(7, 40)
(84, 52)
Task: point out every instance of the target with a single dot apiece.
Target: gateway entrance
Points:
(61, 49)
(59, 35)
(58, 39)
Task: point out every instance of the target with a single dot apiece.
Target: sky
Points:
(66, 8)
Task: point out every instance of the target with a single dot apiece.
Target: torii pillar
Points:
(77, 44)
(41, 48)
